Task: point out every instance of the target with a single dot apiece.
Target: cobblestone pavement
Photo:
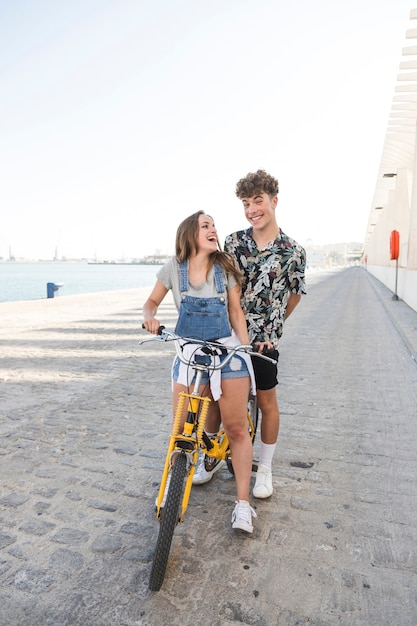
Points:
(82, 443)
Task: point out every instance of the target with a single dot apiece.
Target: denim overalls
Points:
(203, 318)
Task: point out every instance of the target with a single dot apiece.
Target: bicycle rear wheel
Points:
(168, 521)
(253, 410)
(253, 417)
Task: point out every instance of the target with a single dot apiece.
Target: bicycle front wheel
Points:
(168, 521)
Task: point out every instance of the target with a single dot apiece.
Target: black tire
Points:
(253, 411)
(230, 464)
(168, 521)
(254, 414)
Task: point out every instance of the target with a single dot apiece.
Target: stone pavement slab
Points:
(82, 441)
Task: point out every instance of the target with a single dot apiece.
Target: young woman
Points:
(206, 282)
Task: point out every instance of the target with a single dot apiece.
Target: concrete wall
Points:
(399, 213)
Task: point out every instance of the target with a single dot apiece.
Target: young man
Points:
(273, 265)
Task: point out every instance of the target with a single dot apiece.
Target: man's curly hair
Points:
(255, 183)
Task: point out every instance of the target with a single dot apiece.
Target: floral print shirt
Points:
(270, 275)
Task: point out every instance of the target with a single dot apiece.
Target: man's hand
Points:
(261, 346)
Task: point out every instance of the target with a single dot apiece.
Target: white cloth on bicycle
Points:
(186, 373)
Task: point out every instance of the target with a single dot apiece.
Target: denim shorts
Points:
(236, 368)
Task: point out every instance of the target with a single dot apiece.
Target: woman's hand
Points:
(151, 326)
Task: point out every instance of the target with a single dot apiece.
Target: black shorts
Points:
(266, 373)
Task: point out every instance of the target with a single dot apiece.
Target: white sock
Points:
(266, 453)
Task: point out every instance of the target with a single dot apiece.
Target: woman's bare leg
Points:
(233, 407)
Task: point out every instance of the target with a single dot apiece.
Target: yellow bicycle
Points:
(185, 442)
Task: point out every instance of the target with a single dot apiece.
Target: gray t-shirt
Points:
(169, 275)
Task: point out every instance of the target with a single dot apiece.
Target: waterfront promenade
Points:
(82, 444)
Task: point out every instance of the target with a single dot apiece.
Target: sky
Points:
(118, 119)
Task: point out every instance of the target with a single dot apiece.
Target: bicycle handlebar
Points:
(167, 335)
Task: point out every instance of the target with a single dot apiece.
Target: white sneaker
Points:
(263, 483)
(242, 516)
(164, 499)
(205, 469)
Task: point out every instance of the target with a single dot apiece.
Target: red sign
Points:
(394, 245)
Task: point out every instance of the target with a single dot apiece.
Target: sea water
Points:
(27, 281)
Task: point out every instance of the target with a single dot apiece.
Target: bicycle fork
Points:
(188, 441)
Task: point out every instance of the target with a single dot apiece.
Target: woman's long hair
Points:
(186, 242)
